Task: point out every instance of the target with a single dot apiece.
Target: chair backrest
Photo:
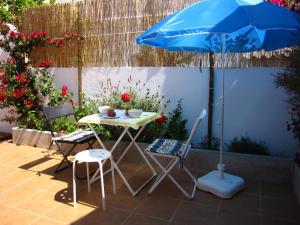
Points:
(187, 148)
(54, 112)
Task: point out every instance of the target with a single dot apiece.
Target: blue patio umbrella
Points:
(225, 26)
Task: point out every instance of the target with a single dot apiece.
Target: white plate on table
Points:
(109, 117)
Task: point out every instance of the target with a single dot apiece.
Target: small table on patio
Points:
(127, 122)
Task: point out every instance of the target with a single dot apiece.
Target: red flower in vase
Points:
(161, 119)
(126, 97)
(64, 90)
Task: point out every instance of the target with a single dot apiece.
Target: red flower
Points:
(64, 90)
(126, 97)
(13, 34)
(278, 2)
(36, 35)
(161, 119)
(28, 102)
(23, 78)
(45, 64)
(2, 95)
(20, 92)
(71, 35)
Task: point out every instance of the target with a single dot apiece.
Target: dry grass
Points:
(108, 29)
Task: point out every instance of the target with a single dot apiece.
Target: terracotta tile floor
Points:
(30, 193)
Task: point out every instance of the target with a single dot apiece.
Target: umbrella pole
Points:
(217, 182)
(221, 166)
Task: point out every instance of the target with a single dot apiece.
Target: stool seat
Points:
(92, 155)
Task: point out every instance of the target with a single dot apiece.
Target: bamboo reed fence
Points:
(108, 29)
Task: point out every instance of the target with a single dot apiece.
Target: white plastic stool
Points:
(93, 155)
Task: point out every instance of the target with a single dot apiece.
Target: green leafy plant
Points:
(246, 145)
(289, 80)
(122, 97)
(176, 127)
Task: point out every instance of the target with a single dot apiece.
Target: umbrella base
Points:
(225, 187)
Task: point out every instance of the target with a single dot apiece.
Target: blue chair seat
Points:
(165, 146)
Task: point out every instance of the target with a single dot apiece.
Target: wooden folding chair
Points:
(177, 152)
(75, 138)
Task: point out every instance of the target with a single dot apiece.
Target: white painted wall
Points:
(68, 77)
(253, 106)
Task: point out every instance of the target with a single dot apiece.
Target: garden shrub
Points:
(248, 146)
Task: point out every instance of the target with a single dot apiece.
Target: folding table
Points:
(126, 122)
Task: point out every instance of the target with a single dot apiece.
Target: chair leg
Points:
(74, 184)
(88, 176)
(113, 174)
(65, 158)
(166, 172)
(163, 174)
(102, 185)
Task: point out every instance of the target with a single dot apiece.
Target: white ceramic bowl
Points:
(135, 113)
(103, 109)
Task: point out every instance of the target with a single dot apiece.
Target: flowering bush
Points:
(293, 5)
(23, 87)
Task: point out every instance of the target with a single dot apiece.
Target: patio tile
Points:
(17, 217)
(47, 221)
(280, 209)
(207, 199)
(122, 199)
(6, 169)
(273, 221)
(228, 217)
(137, 219)
(251, 188)
(111, 216)
(39, 182)
(16, 195)
(19, 176)
(4, 209)
(165, 189)
(39, 203)
(158, 207)
(190, 213)
(277, 191)
(68, 213)
(4, 186)
(242, 202)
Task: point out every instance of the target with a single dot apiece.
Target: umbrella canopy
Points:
(224, 26)
(245, 26)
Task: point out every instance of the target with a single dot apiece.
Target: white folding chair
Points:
(177, 152)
